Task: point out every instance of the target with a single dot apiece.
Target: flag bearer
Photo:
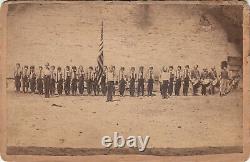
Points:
(103, 81)
(95, 81)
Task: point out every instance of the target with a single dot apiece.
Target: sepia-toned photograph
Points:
(85, 78)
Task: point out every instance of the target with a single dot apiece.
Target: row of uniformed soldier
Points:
(73, 80)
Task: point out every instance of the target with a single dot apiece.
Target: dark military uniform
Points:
(164, 80)
(178, 79)
(110, 77)
(67, 81)
(90, 80)
(17, 77)
(40, 80)
(204, 85)
(81, 81)
(52, 81)
(186, 79)
(224, 76)
(25, 79)
(150, 85)
(59, 81)
(141, 79)
(132, 83)
(195, 77)
(171, 81)
(213, 76)
(95, 83)
(103, 84)
(32, 78)
(122, 82)
(74, 81)
(47, 78)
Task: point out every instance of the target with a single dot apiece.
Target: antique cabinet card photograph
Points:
(124, 81)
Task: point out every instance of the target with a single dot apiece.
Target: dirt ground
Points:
(81, 121)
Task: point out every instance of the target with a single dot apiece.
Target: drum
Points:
(206, 81)
(214, 82)
(195, 82)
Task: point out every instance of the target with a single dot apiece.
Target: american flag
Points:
(100, 57)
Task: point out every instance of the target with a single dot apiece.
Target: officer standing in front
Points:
(110, 77)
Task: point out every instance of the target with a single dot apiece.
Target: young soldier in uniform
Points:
(171, 80)
(90, 80)
(67, 79)
(47, 78)
(110, 81)
(18, 76)
(25, 79)
(178, 80)
(115, 79)
(103, 81)
(81, 80)
(95, 81)
(223, 80)
(164, 81)
(186, 79)
(32, 79)
(205, 81)
(74, 80)
(150, 77)
(132, 79)
(59, 81)
(214, 81)
(52, 80)
(195, 77)
(141, 80)
(122, 81)
(40, 80)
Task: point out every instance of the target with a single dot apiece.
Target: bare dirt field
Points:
(81, 121)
